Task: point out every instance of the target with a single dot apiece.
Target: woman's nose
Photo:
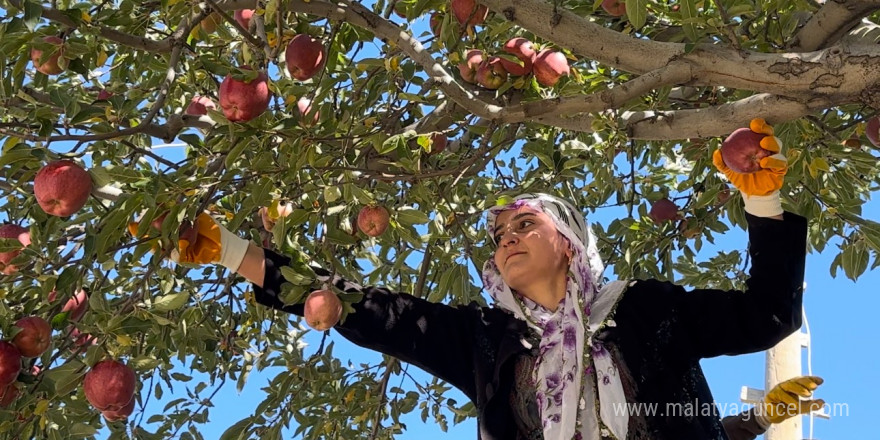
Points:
(509, 237)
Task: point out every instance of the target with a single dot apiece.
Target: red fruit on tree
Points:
(10, 363)
(438, 143)
(50, 67)
(872, 130)
(199, 106)
(304, 108)
(104, 95)
(243, 17)
(723, 195)
(34, 337)
(242, 101)
(8, 394)
(549, 66)
(436, 23)
(109, 385)
(663, 210)
(322, 310)
(469, 12)
(23, 236)
(616, 8)
(742, 152)
(373, 220)
(76, 305)
(82, 339)
(491, 73)
(524, 50)
(473, 58)
(305, 56)
(120, 414)
(270, 218)
(62, 188)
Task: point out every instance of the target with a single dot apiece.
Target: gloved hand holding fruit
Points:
(205, 241)
(751, 159)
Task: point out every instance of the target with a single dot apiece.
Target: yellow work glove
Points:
(790, 398)
(205, 241)
(760, 190)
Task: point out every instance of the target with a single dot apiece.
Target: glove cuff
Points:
(232, 249)
(761, 418)
(763, 206)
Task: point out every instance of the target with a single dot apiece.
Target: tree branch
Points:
(714, 121)
(833, 20)
(612, 98)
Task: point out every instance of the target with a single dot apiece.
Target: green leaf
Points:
(410, 216)
(171, 301)
(689, 10)
(637, 12)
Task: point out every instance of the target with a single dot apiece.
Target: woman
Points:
(562, 355)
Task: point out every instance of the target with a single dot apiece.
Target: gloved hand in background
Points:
(790, 398)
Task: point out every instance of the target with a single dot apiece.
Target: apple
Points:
(473, 58)
(663, 210)
(468, 12)
(305, 56)
(23, 236)
(689, 227)
(120, 414)
(723, 195)
(104, 95)
(491, 73)
(199, 106)
(304, 108)
(438, 143)
(243, 17)
(82, 339)
(242, 101)
(10, 363)
(34, 337)
(742, 152)
(373, 220)
(524, 50)
(270, 218)
(549, 66)
(616, 8)
(50, 67)
(109, 385)
(322, 310)
(8, 395)
(62, 188)
(872, 130)
(436, 23)
(76, 305)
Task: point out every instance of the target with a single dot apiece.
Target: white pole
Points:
(783, 363)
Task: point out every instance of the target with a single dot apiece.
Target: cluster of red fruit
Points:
(492, 72)
(31, 341)
(243, 100)
(61, 188)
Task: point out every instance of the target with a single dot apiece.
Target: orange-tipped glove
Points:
(790, 398)
(760, 190)
(205, 241)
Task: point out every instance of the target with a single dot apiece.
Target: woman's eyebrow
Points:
(515, 218)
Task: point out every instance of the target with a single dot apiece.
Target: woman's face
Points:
(530, 250)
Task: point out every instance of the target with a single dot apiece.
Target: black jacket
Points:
(662, 332)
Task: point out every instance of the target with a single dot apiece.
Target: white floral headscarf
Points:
(569, 358)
